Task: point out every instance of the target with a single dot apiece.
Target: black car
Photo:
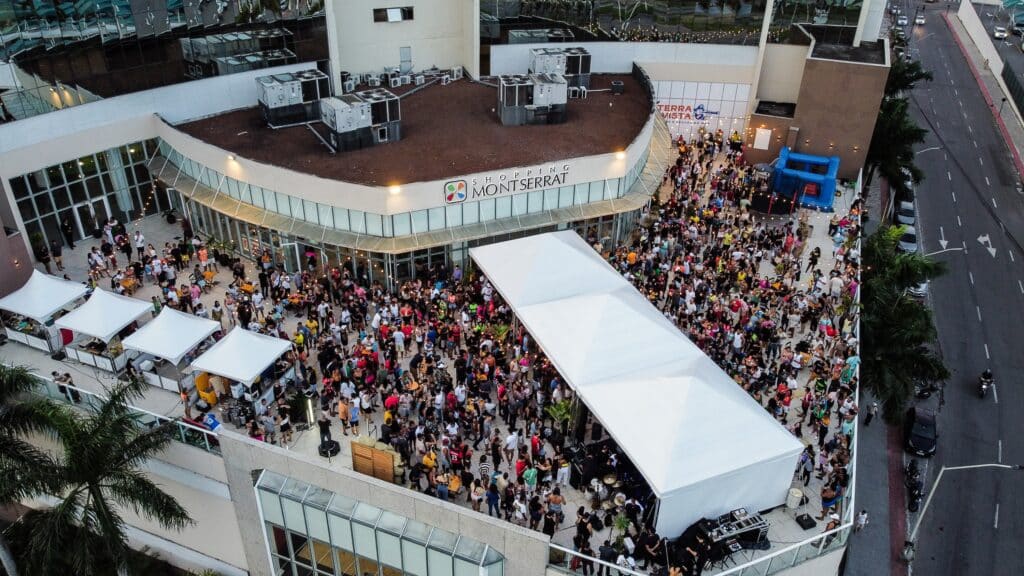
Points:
(920, 435)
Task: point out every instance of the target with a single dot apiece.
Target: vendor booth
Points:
(244, 364)
(29, 312)
(96, 328)
(164, 342)
(705, 447)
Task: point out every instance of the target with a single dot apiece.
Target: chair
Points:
(205, 389)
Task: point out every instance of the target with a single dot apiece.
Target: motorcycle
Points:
(912, 480)
(983, 386)
(924, 390)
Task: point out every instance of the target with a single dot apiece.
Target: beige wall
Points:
(442, 33)
(782, 72)
(683, 71)
(780, 132)
(525, 551)
(15, 262)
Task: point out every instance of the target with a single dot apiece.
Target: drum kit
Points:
(606, 494)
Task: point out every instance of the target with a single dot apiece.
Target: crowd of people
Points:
(462, 394)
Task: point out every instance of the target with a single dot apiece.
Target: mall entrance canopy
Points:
(704, 446)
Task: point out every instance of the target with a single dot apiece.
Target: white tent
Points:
(702, 443)
(103, 315)
(42, 296)
(241, 356)
(171, 335)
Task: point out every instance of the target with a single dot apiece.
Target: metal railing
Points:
(184, 432)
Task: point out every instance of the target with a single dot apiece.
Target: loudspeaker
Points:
(58, 355)
(805, 521)
(329, 448)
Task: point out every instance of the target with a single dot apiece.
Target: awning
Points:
(42, 296)
(241, 356)
(104, 315)
(171, 335)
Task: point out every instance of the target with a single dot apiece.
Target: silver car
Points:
(905, 213)
(902, 21)
(999, 33)
(908, 240)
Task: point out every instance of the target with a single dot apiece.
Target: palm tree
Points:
(903, 77)
(98, 475)
(896, 330)
(892, 144)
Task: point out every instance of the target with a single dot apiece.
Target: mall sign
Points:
(506, 182)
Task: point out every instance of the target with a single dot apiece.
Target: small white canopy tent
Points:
(704, 446)
(241, 356)
(42, 296)
(171, 335)
(103, 315)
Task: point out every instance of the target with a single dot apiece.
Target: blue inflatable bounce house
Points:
(808, 180)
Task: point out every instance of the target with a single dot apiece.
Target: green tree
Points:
(892, 144)
(24, 470)
(903, 76)
(897, 331)
(96, 474)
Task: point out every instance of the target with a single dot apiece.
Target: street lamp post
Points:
(908, 546)
(1001, 104)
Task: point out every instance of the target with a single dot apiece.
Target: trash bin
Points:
(794, 498)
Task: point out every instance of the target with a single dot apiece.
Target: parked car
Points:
(908, 240)
(999, 33)
(919, 20)
(902, 21)
(905, 214)
(919, 291)
(1018, 30)
(894, 10)
(920, 432)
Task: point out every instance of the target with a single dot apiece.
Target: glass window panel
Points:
(486, 210)
(300, 546)
(323, 559)
(311, 212)
(536, 201)
(565, 196)
(278, 539)
(70, 170)
(582, 195)
(346, 561)
(28, 212)
(342, 505)
(244, 193)
(520, 204)
(357, 221)
(439, 563)
(374, 225)
(402, 224)
(389, 230)
(365, 541)
(293, 518)
(326, 215)
(611, 188)
(340, 218)
(436, 216)
(316, 521)
(296, 204)
(341, 532)
(230, 187)
(453, 215)
(420, 222)
(284, 206)
(39, 181)
(470, 213)
(87, 165)
(415, 558)
(271, 507)
(301, 570)
(443, 540)
(270, 200)
(43, 204)
(256, 195)
(503, 207)
(465, 568)
(390, 549)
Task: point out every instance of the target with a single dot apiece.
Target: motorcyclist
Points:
(986, 376)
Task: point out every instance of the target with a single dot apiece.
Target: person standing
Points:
(861, 521)
(140, 243)
(68, 232)
(872, 410)
(56, 250)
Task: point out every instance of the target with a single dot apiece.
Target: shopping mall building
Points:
(124, 115)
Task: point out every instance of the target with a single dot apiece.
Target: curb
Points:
(897, 503)
(988, 98)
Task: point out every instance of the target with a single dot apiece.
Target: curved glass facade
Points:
(404, 224)
(312, 531)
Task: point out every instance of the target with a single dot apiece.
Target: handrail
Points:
(185, 432)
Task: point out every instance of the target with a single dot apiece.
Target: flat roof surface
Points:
(446, 131)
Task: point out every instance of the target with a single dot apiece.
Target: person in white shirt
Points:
(140, 243)
(511, 444)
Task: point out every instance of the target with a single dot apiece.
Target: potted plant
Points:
(620, 527)
(560, 413)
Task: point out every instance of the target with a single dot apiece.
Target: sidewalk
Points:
(1009, 124)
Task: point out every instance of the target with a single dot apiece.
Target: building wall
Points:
(782, 72)
(681, 61)
(525, 551)
(15, 261)
(442, 33)
(780, 135)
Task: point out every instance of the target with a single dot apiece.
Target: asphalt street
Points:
(970, 199)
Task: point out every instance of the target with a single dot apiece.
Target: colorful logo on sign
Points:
(699, 112)
(455, 191)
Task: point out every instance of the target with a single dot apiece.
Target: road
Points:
(971, 191)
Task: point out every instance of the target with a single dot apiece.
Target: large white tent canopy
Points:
(171, 335)
(42, 296)
(702, 443)
(241, 356)
(103, 315)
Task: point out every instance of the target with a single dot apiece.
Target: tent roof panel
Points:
(171, 335)
(42, 296)
(241, 355)
(103, 315)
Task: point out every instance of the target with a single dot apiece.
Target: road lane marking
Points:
(971, 275)
(949, 176)
(995, 394)
(975, 143)
(954, 197)
(995, 524)
(961, 103)
(958, 220)
(999, 458)
(1011, 256)
(987, 182)
(969, 129)
(987, 357)
(978, 310)
(982, 162)
(955, 93)
(1021, 286)
(994, 205)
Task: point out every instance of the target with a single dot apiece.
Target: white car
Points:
(999, 33)
(919, 20)
(908, 240)
(905, 213)
(902, 21)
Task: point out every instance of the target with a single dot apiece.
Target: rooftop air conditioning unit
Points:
(457, 73)
(396, 81)
(446, 80)
(421, 80)
(406, 79)
(349, 86)
(373, 81)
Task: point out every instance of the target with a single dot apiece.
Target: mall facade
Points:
(136, 126)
